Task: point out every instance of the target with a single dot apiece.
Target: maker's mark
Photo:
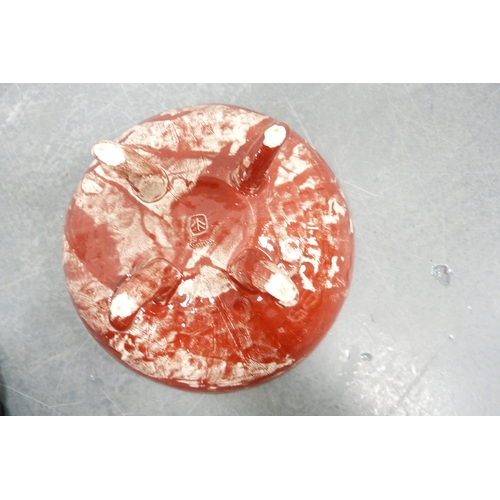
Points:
(198, 224)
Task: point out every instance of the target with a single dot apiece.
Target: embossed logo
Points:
(198, 224)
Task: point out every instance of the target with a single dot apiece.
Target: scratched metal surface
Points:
(419, 165)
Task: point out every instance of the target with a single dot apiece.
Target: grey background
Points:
(419, 165)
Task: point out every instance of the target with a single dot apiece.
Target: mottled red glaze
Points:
(248, 282)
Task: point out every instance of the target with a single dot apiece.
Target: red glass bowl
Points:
(209, 248)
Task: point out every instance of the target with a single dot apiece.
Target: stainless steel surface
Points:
(419, 165)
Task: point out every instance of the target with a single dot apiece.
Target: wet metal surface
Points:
(419, 166)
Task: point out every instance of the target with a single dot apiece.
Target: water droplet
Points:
(451, 337)
(97, 381)
(366, 356)
(442, 273)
